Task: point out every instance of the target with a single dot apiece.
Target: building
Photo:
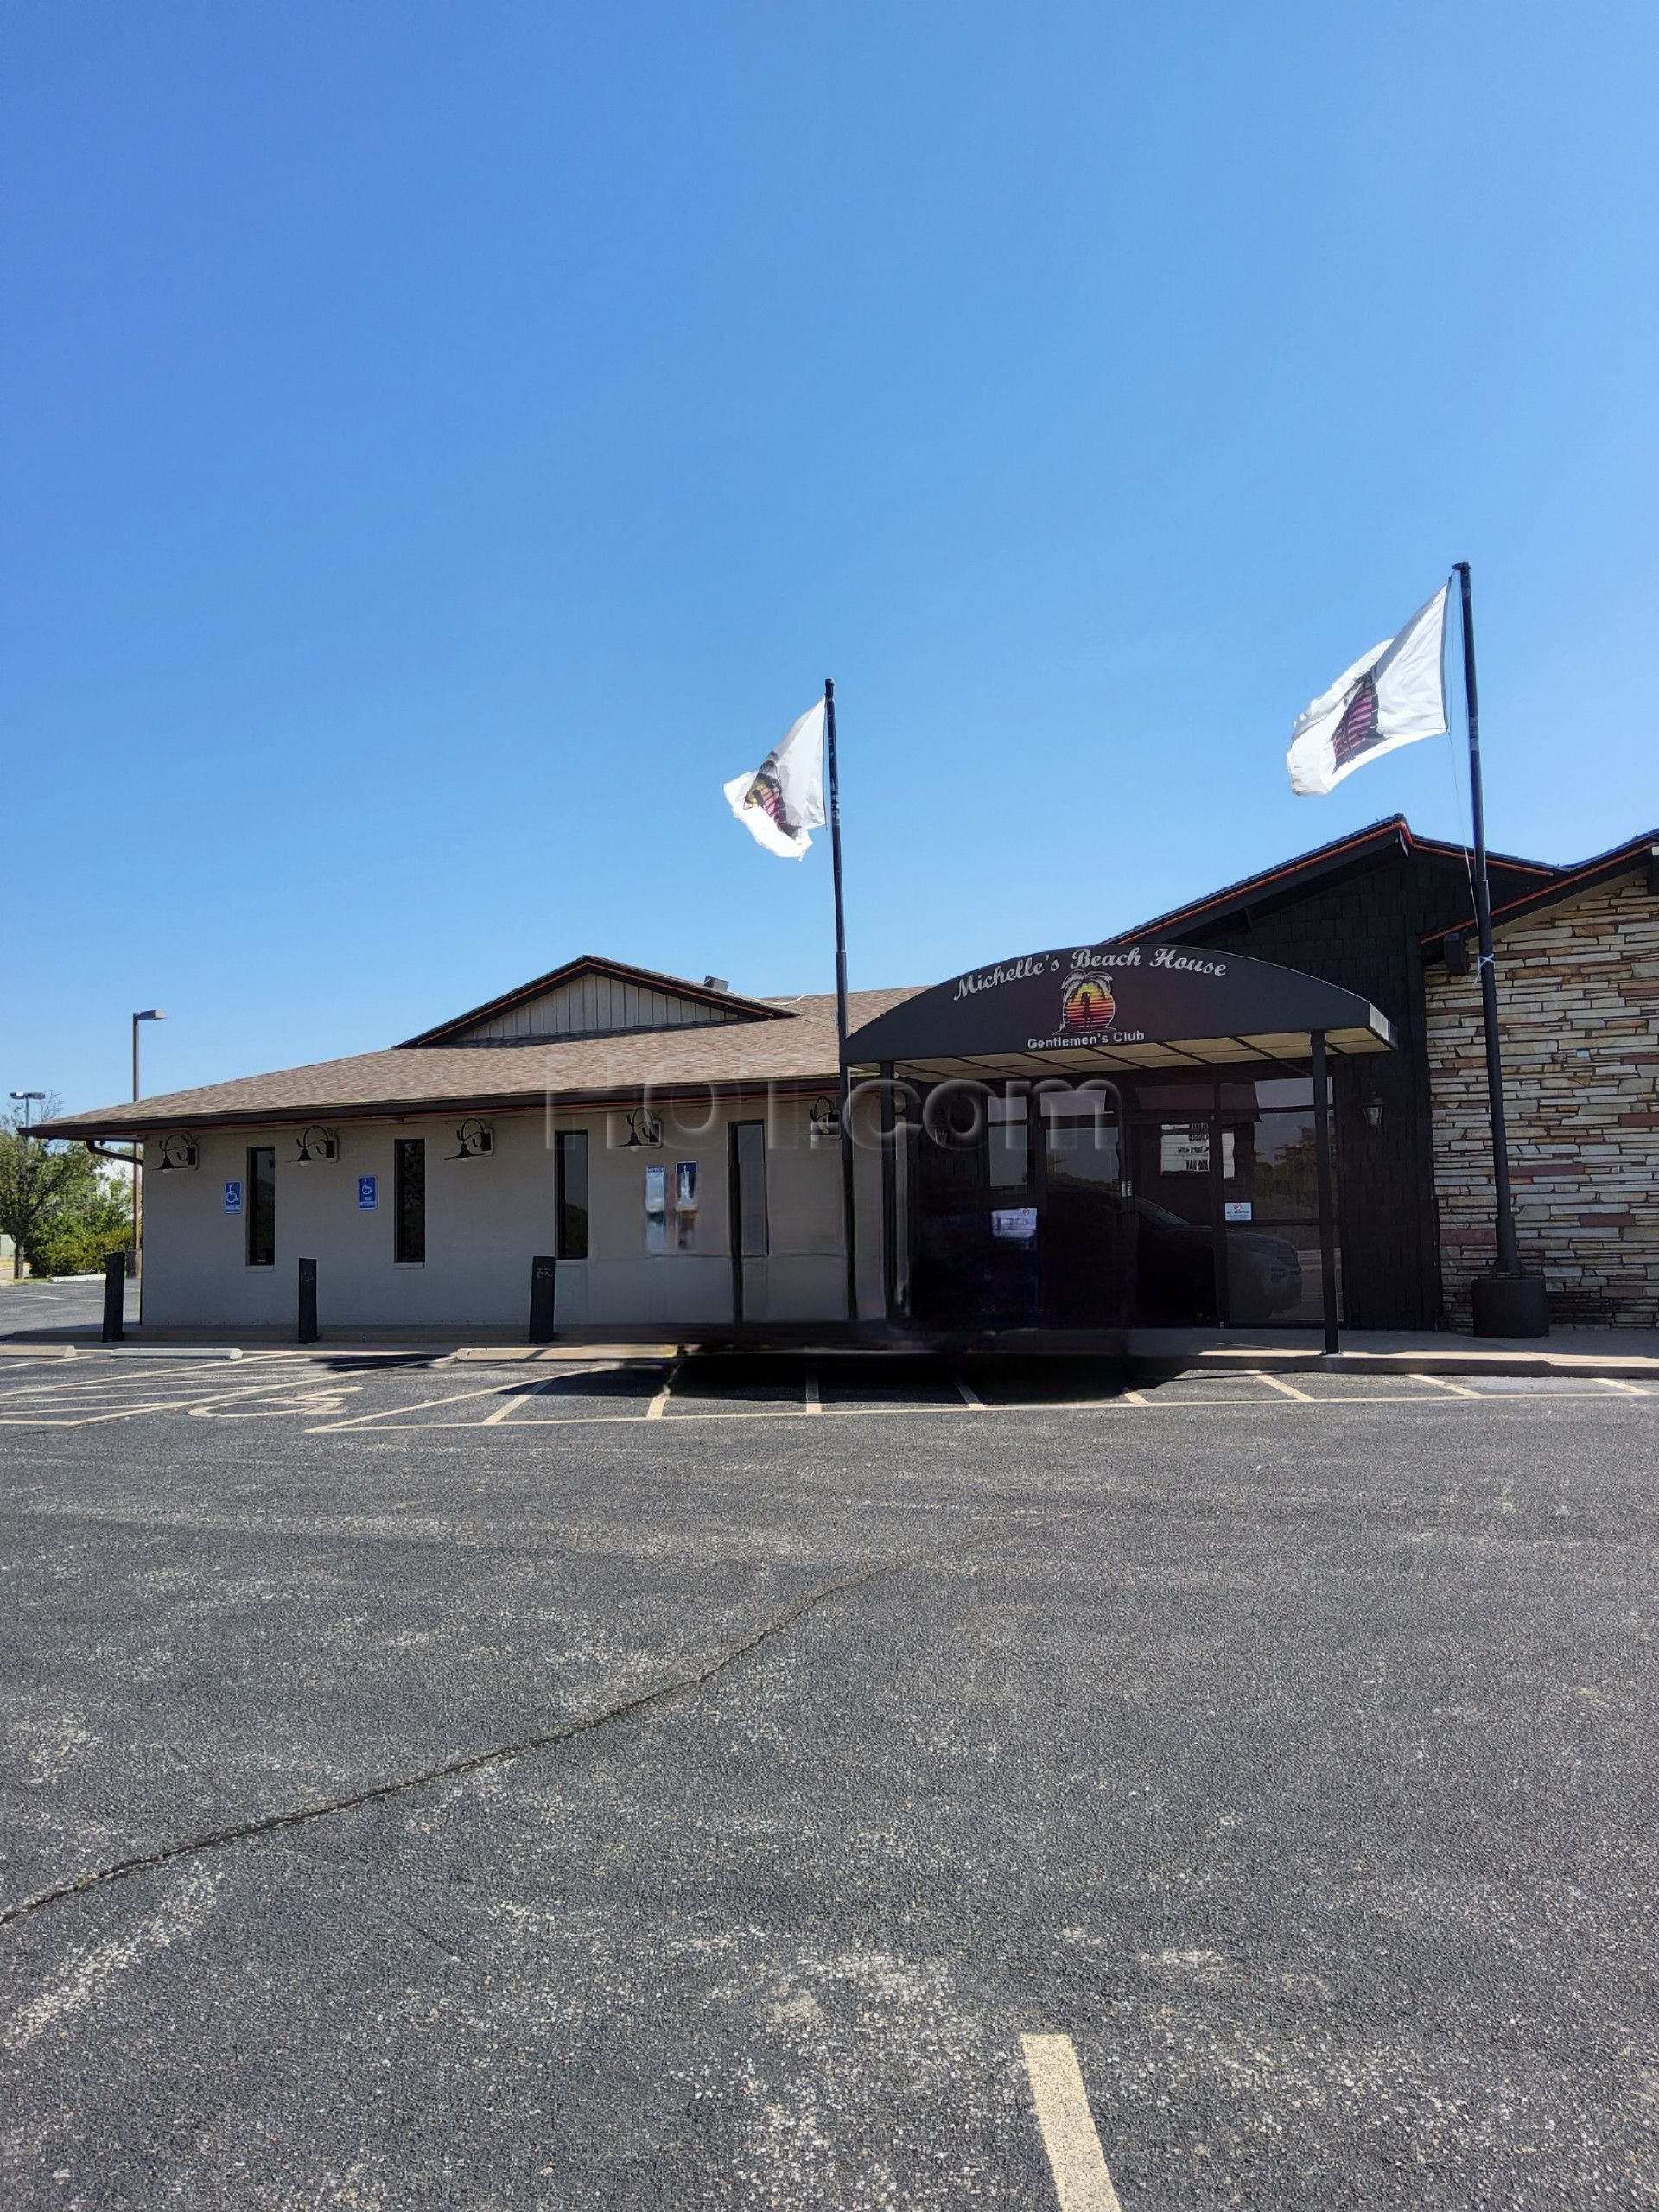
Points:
(1358, 912)
(1075, 1139)
(1578, 965)
(1079, 1140)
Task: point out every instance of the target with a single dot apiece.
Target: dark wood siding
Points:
(1363, 931)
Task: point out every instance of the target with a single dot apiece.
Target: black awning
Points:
(1122, 1005)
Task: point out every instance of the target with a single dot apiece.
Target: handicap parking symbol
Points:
(233, 1198)
(368, 1193)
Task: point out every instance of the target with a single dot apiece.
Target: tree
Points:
(54, 1203)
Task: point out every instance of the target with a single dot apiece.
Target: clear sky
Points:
(442, 444)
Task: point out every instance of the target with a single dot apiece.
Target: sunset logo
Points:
(1087, 1005)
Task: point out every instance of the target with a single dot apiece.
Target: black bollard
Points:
(307, 1329)
(543, 1275)
(115, 1293)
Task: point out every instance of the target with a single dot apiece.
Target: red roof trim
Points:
(1618, 862)
(1396, 827)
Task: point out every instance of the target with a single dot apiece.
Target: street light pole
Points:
(149, 1014)
(28, 1098)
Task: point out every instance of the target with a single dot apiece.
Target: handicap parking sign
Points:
(233, 1197)
(368, 1195)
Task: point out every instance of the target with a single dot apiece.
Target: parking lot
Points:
(833, 1783)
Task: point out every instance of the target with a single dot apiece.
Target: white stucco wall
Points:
(487, 1219)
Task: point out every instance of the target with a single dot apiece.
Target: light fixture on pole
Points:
(149, 1014)
(27, 1098)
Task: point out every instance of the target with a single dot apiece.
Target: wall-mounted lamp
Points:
(823, 1123)
(177, 1150)
(1373, 1111)
(318, 1144)
(645, 1130)
(477, 1140)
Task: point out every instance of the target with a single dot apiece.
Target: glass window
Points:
(749, 1156)
(262, 1205)
(410, 1164)
(570, 1168)
(1081, 1154)
(1006, 1136)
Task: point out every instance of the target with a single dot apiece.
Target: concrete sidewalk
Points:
(1630, 1354)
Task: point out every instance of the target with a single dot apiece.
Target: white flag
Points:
(1391, 695)
(784, 798)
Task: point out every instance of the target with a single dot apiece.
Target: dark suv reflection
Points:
(1177, 1269)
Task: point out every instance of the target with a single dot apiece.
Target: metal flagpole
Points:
(848, 1233)
(1504, 1311)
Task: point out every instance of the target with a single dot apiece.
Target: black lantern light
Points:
(477, 1140)
(318, 1144)
(177, 1150)
(645, 1130)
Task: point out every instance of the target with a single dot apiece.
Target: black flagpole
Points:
(849, 1234)
(1509, 1257)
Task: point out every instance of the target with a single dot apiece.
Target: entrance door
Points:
(1087, 1242)
(1175, 1221)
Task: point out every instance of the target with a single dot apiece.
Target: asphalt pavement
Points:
(690, 1787)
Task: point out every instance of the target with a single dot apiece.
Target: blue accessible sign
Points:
(233, 1198)
(368, 1193)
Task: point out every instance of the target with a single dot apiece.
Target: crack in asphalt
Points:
(498, 1754)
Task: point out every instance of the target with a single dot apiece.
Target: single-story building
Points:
(1080, 1139)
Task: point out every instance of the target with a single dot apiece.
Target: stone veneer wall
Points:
(1578, 995)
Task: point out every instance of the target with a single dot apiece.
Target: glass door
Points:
(1087, 1246)
(1271, 1203)
(1175, 1212)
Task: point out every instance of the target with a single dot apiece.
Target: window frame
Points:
(400, 1146)
(568, 1145)
(742, 1184)
(256, 1215)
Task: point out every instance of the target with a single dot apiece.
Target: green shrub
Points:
(77, 1248)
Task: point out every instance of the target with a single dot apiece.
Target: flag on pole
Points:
(784, 798)
(1391, 695)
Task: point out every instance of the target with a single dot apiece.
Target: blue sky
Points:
(442, 445)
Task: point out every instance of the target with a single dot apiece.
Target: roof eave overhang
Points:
(555, 1099)
(1642, 852)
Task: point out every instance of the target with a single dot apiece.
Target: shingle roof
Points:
(679, 987)
(431, 1079)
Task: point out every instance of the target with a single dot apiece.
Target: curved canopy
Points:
(1141, 1005)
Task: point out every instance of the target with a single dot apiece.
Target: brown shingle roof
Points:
(679, 987)
(437, 1078)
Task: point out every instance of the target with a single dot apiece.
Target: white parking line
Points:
(970, 1397)
(1443, 1382)
(509, 1405)
(659, 1405)
(811, 1403)
(125, 1379)
(1273, 1382)
(1612, 1382)
(946, 1410)
(187, 1403)
(1082, 2181)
